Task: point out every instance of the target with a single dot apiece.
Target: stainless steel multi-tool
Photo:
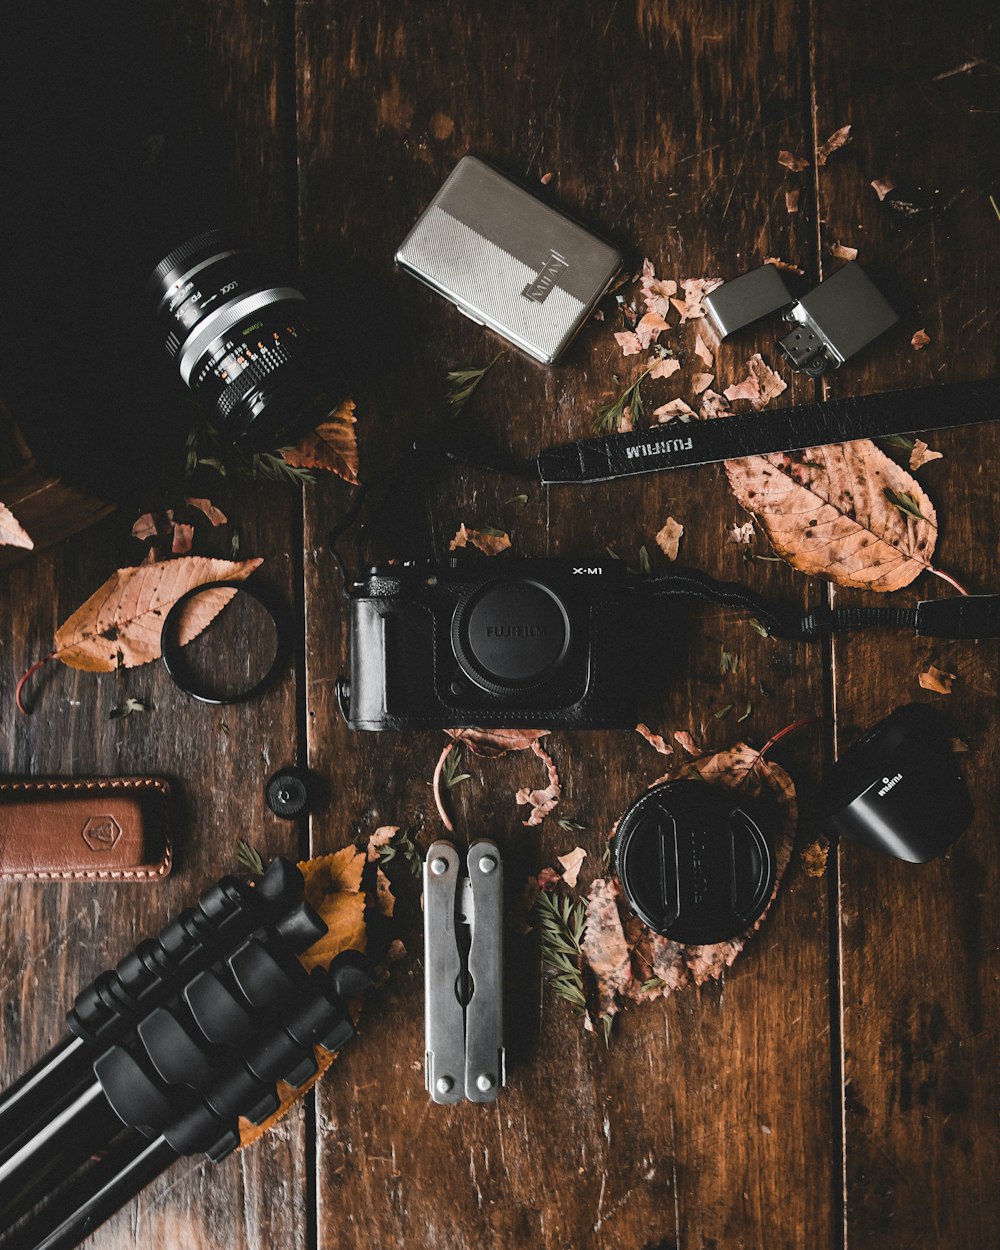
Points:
(463, 973)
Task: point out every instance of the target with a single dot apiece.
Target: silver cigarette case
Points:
(509, 261)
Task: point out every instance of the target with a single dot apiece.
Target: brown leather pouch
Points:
(102, 829)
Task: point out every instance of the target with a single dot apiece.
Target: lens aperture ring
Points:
(256, 372)
(223, 319)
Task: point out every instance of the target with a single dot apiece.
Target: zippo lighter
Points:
(508, 261)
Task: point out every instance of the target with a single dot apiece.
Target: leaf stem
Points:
(775, 738)
(19, 689)
(436, 785)
(947, 577)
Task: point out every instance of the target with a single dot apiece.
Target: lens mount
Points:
(510, 634)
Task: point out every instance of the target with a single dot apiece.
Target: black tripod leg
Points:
(94, 1196)
(45, 1089)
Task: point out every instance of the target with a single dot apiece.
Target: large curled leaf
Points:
(120, 624)
(830, 511)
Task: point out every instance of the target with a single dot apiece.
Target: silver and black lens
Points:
(242, 338)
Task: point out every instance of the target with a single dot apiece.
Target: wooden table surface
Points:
(837, 1087)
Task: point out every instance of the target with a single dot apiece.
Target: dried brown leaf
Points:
(760, 386)
(332, 446)
(333, 884)
(149, 526)
(790, 161)
(920, 340)
(713, 405)
(792, 201)
(214, 514)
(183, 537)
(936, 679)
(12, 532)
(381, 837)
(778, 263)
(703, 351)
(882, 187)
(673, 410)
(491, 743)
(120, 624)
(922, 454)
(835, 141)
(542, 801)
(663, 366)
(628, 341)
(741, 535)
(572, 862)
(669, 537)
(701, 382)
(825, 511)
(814, 859)
(605, 951)
(656, 292)
(656, 741)
(489, 544)
(385, 900)
(842, 251)
(692, 306)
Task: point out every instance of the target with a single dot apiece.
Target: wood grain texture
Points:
(221, 61)
(708, 1120)
(835, 1088)
(920, 944)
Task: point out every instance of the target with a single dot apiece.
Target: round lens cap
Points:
(694, 862)
(511, 633)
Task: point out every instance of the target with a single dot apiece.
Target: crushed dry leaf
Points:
(704, 352)
(183, 539)
(701, 382)
(922, 454)
(492, 743)
(656, 292)
(835, 141)
(215, 515)
(541, 801)
(778, 263)
(842, 251)
(713, 405)
(572, 862)
(882, 187)
(12, 532)
(656, 741)
(669, 537)
(792, 200)
(489, 542)
(814, 859)
(674, 410)
(332, 446)
(790, 161)
(741, 535)
(381, 837)
(663, 367)
(760, 386)
(937, 680)
(692, 306)
(920, 340)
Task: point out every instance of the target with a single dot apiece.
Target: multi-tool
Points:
(463, 973)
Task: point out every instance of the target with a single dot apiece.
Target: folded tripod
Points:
(166, 1052)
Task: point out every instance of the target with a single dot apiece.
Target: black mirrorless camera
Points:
(545, 643)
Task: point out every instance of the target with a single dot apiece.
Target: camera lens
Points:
(242, 339)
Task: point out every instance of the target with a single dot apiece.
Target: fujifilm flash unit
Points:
(508, 261)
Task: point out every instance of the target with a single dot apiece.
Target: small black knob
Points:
(287, 793)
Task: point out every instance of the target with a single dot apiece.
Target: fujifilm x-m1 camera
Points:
(546, 643)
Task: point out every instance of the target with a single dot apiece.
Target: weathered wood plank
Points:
(83, 112)
(919, 944)
(708, 1120)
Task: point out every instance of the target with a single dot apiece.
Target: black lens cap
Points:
(695, 861)
(511, 633)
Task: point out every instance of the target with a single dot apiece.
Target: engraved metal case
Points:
(508, 261)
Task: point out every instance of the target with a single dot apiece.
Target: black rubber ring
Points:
(172, 652)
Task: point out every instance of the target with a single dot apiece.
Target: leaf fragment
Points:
(675, 409)
(921, 454)
(920, 340)
(936, 679)
(835, 141)
(541, 801)
(882, 187)
(790, 161)
(842, 251)
(656, 292)
(668, 538)
(488, 540)
(760, 386)
(491, 743)
(572, 862)
(332, 446)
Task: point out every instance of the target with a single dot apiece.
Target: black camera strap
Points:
(680, 444)
(963, 617)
